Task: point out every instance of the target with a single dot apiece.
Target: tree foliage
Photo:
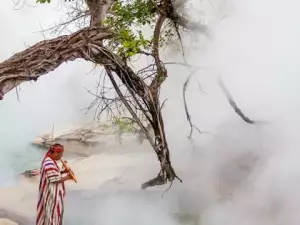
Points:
(130, 18)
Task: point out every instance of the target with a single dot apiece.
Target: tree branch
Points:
(137, 120)
(184, 22)
(47, 55)
(161, 71)
(233, 103)
(188, 116)
(98, 10)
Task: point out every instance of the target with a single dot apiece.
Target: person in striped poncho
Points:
(50, 205)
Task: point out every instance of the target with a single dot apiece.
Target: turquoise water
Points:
(23, 121)
(16, 162)
(27, 159)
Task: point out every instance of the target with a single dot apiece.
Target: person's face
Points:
(57, 155)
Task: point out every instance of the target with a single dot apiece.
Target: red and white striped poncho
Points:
(51, 194)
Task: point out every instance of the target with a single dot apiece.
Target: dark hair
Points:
(53, 146)
(57, 145)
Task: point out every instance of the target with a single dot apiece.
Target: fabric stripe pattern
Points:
(51, 194)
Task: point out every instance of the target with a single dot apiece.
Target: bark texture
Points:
(98, 10)
(46, 56)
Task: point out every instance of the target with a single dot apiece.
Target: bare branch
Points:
(188, 116)
(168, 10)
(233, 103)
(77, 17)
(193, 26)
(161, 71)
(109, 73)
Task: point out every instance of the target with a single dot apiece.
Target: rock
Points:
(10, 218)
(91, 138)
(31, 173)
(186, 219)
(4, 221)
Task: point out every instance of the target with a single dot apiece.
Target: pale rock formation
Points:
(4, 221)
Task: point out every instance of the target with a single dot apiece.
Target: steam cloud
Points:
(235, 173)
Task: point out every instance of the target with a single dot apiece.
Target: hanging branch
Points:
(188, 116)
(233, 103)
(111, 77)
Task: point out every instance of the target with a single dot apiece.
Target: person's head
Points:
(56, 151)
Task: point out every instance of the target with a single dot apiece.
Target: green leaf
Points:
(43, 1)
(129, 18)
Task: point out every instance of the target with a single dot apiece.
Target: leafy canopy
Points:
(130, 18)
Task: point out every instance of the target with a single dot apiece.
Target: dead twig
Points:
(233, 103)
(188, 116)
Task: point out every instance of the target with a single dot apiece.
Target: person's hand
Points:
(65, 171)
(69, 176)
(65, 178)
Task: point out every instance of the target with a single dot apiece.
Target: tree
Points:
(110, 34)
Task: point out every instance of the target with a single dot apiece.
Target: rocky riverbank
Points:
(11, 218)
(106, 170)
(87, 140)
(92, 138)
(100, 177)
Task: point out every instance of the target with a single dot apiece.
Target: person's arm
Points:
(52, 172)
(59, 178)
(64, 171)
(65, 178)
